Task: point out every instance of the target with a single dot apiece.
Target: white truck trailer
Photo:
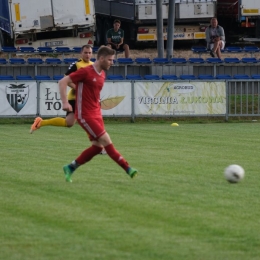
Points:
(138, 18)
(50, 23)
(240, 18)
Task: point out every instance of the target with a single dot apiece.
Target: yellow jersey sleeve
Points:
(79, 64)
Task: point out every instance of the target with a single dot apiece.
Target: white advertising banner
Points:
(50, 102)
(18, 98)
(116, 99)
(180, 98)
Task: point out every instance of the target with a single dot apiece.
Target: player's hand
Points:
(66, 107)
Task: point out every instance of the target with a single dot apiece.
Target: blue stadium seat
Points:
(45, 49)
(169, 77)
(115, 77)
(34, 61)
(76, 49)
(26, 49)
(151, 77)
(8, 49)
(241, 76)
(233, 49)
(251, 49)
(3, 61)
(178, 60)
(70, 60)
(205, 76)
(6, 77)
(188, 77)
(214, 60)
(42, 77)
(196, 60)
(231, 60)
(53, 61)
(255, 76)
(93, 59)
(249, 60)
(199, 49)
(223, 76)
(58, 77)
(95, 49)
(143, 61)
(63, 50)
(125, 61)
(160, 61)
(134, 77)
(24, 77)
(16, 61)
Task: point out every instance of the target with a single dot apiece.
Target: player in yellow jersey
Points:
(69, 121)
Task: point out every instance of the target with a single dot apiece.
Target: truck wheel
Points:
(1, 40)
(99, 32)
(106, 26)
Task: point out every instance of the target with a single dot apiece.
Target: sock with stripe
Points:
(116, 156)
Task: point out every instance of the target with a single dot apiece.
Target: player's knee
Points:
(70, 123)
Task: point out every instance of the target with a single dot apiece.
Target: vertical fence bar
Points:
(133, 101)
(227, 100)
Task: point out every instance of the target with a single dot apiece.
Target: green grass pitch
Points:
(178, 207)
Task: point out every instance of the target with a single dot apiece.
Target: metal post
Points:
(159, 22)
(170, 29)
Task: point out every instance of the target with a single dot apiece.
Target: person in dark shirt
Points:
(115, 38)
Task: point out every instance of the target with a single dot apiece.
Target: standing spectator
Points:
(115, 38)
(215, 37)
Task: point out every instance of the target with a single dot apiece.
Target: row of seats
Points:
(232, 49)
(182, 77)
(125, 61)
(43, 50)
(196, 49)
(37, 61)
(29, 77)
(139, 77)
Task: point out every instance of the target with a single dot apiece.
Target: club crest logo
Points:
(17, 96)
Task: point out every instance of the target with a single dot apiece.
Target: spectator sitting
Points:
(215, 38)
(115, 38)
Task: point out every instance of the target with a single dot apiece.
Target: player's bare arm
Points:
(63, 83)
(72, 85)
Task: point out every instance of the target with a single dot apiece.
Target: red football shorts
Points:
(93, 126)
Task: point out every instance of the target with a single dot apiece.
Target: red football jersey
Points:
(89, 84)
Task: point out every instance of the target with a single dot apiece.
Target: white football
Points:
(234, 173)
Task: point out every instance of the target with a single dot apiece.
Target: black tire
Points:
(1, 40)
(103, 25)
(99, 32)
(106, 26)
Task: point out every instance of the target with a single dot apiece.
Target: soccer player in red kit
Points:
(89, 82)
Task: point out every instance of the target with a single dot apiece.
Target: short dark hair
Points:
(105, 51)
(117, 21)
(86, 46)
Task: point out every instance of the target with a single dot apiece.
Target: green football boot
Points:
(132, 172)
(68, 172)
